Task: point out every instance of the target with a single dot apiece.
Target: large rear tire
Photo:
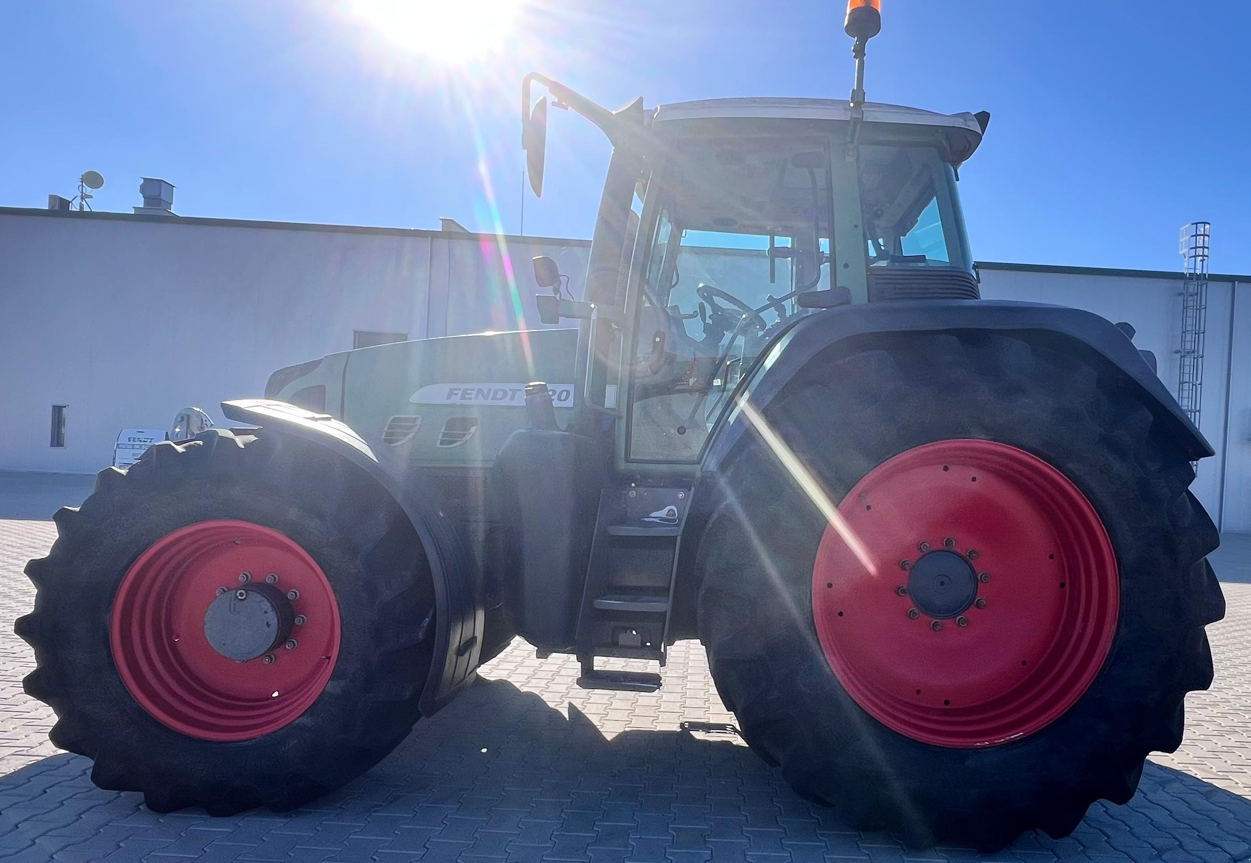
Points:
(1105, 493)
(308, 545)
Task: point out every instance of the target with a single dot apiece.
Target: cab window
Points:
(731, 246)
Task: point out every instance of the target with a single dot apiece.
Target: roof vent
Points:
(158, 197)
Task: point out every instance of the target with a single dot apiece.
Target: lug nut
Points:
(962, 621)
(291, 643)
(983, 577)
(936, 625)
(269, 659)
(981, 602)
(241, 594)
(923, 546)
(293, 594)
(913, 614)
(972, 554)
(300, 620)
(905, 565)
(901, 590)
(220, 591)
(245, 577)
(271, 578)
(949, 542)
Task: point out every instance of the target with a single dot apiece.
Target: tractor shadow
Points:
(500, 774)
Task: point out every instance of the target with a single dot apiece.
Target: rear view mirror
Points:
(549, 308)
(534, 141)
(546, 273)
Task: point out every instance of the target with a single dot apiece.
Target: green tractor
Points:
(940, 550)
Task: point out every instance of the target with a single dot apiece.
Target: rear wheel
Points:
(235, 621)
(974, 601)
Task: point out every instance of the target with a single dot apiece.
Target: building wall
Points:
(126, 319)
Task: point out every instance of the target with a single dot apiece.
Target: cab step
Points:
(620, 681)
(628, 595)
(638, 603)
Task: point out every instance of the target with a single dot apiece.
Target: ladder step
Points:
(618, 652)
(632, 602)
(644, 530)
(631, 681)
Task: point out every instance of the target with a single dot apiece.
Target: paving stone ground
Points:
(526, 767)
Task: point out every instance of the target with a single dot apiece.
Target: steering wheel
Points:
(710, 294)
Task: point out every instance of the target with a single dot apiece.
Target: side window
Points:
(925, 237)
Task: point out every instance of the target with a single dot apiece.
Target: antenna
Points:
(89, 180)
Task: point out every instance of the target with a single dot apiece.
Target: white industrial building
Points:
(123, 319)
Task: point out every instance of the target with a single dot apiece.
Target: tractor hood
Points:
(449, 401)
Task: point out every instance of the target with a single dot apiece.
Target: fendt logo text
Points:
(487, 394)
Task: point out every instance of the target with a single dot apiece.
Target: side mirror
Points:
(549, 308)
(546, 273)
(534, 142)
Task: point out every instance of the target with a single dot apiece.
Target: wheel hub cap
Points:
(248, 623)
(968, 595)
(942, 584)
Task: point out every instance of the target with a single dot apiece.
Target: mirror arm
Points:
(596, 113)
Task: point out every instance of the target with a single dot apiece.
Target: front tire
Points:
(854, 722)
(168, 705)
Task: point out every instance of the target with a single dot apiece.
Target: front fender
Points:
(1060, 327)
(457, 582)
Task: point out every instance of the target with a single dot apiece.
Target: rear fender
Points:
(1068, 329)
(457, 581)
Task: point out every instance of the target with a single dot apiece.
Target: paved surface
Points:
(526, 767)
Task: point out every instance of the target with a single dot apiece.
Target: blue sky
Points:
(1113, 122)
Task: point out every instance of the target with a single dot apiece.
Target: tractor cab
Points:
(726, 221)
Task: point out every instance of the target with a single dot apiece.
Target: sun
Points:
(454, 31)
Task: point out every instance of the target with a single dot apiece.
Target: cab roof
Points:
(963, 131)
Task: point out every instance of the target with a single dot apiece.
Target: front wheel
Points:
(956, 587)
(234, 621)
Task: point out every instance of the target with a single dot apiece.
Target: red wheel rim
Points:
(889, 580)
(166, 660)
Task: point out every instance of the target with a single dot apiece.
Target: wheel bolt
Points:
(271, 578)
(291, 643)
(923, 546)
(293, 594)
(905, 565)
(300, 620)
(245, 577)
(936, 625)
(949, 542)
(241, 594)
(981, 602)
(220, 591)
(972, 554)
(983, 577)
(901, 590)
(269, 659)
(913, 614)
(962, 621)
